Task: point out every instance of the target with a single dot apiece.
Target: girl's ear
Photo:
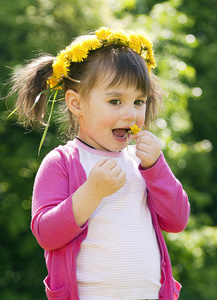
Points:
(73, 102)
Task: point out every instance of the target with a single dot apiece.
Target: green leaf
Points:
(12, 112)
(48, 123)
(44, 91)
(58, 100)
(37, 99)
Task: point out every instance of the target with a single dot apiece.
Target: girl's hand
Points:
(148, 148)
(106, 178)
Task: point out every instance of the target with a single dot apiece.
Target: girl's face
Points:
(107, 114)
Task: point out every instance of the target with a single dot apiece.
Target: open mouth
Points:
(121, 133)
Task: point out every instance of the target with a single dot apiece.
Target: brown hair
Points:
(117, 64)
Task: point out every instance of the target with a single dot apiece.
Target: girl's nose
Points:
(129, 114)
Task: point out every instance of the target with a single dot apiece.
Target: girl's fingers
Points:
(108, 163)
(101, 162)
(148, 148)
(122, 178)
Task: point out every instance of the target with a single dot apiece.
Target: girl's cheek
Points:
(141, 122)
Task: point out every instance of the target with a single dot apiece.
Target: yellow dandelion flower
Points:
(149, 57)
(94, 43)
(89, 44)
(144, 39)
(60, 68)
(52, 82)
(135, 129)
(63, 54)
(78, 53)
(80, 50)
(119, 34)
(103, 33)
(135, 42)
(69, 53)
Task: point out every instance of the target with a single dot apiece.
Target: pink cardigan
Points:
(55, 228)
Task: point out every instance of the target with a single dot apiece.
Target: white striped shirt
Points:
(119, 259)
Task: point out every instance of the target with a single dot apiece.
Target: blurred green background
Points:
(185, 41)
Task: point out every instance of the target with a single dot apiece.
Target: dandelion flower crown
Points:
(79, 50)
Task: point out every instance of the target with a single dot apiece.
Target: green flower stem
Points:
(48, 122)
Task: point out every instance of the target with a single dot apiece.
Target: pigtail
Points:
(28, 84)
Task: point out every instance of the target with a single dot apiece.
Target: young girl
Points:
(98, 204)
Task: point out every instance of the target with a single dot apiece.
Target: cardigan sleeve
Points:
(166, 197)
(53, 222)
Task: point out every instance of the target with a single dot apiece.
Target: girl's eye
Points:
(115, 102)
(139, 102)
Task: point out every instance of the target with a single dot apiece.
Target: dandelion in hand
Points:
(134, 129)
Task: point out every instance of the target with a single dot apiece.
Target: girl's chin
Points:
(114, 147)
(111, 145)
